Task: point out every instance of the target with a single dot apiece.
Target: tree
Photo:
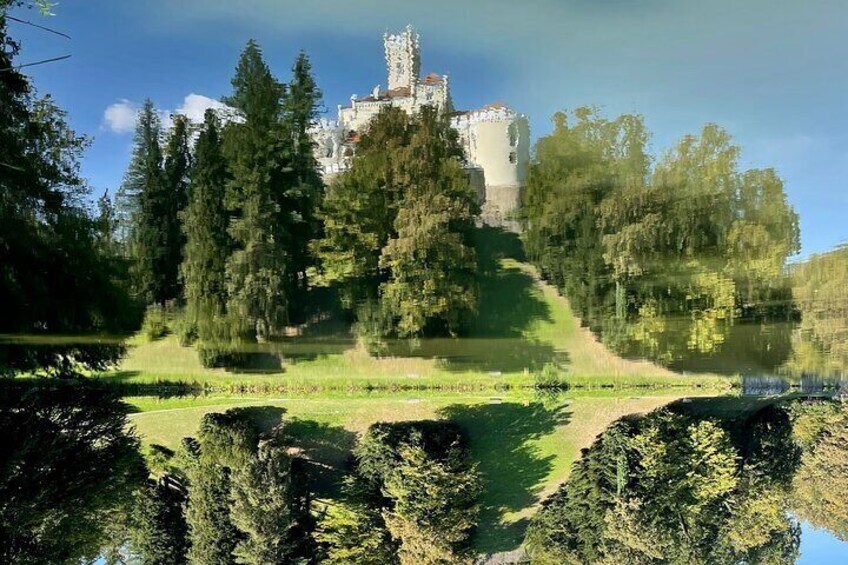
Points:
(820, 487)
(661, 262)
(205, 222)
(434, 506)
(260, 272)
(408, 198)
(54, 275)
(671, 487)
(69, 465)
(271, 506)
(360, 207)
(144, 203)
(158, 531)
(820, 290)
(175, 170)
(431, 257)
(247, 503)
(300, 112)
(412, 498)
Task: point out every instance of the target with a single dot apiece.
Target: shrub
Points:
(155, 325)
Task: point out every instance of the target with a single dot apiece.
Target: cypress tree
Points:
(205, 224)
(260, 273)
(271, 507)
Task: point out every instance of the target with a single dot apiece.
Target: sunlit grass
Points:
(524, 446)
(524, 325)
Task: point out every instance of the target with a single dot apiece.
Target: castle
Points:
(495, 138)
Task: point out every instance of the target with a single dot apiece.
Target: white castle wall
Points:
(496, 139)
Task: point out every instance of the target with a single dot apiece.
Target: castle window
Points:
(513, 157)
(513, 135)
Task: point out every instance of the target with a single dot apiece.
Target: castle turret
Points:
(403, 58)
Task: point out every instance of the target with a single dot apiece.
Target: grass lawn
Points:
(524, 447)
(522, 325)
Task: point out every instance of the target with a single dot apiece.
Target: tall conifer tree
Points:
(142, 199)
(205, 224)
(176, 171)
(300, 112)
(260, 273)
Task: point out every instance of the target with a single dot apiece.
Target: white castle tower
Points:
(403, 59)
(495, 138)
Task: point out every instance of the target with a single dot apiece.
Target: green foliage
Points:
(205, 222)
(820, 290)
(413, 496)
(158, 531)
(247, 503)
(271, 506)
(156, 323)
(57, 274)
(398, 225)
(354, 532)
(272, 189)
(360, 207)
(301, 108)
(434, 506)
(70, 466)
(672, 488)
(550, 377)
(821, 485)
(144, 202)
(694, 240)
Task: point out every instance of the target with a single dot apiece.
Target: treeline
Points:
(675, 487)
(238, 228)
(820, 291)
(224, 232)
(226, 227)
(639, 244)
(60, 272)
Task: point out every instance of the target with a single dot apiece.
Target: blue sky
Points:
(772, 72)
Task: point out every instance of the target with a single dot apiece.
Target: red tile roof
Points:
(432, 79)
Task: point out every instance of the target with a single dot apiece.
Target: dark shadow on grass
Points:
(327, 451)
(495, 340)
(513, 471)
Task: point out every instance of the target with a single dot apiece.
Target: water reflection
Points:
(792, 323)
(702, 483)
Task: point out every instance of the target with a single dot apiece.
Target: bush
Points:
(155, 325)
(185, 329)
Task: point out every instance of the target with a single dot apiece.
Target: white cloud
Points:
(120, 117)
(195, 105)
